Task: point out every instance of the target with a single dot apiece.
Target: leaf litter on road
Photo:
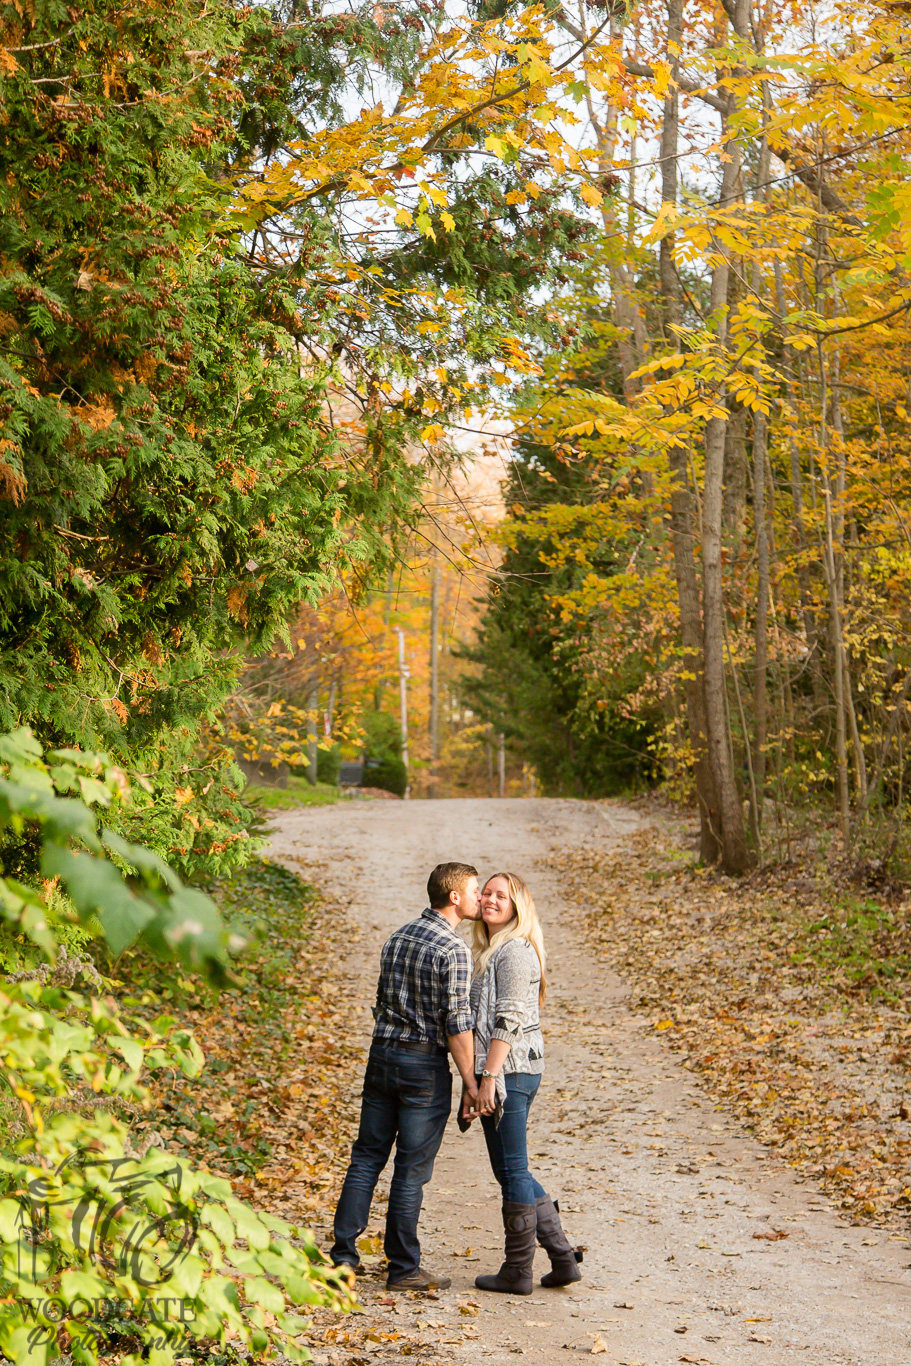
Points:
(745, 987)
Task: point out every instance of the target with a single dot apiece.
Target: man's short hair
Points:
(446, 878)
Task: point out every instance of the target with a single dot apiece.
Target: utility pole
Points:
(434, 670)
(312, 747)
(387, 608)
(501, 762)
(403, 694)
(330, 708)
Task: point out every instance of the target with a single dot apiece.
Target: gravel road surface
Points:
(680, 1211)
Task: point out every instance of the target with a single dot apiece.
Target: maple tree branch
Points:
(688, 87)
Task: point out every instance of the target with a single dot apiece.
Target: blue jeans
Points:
(506, 1142)
(406, 1101)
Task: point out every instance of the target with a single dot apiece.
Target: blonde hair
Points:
(524, 925)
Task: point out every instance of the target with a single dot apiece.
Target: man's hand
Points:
(469, 1107)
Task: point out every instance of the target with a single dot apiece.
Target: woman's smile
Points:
(496, 907)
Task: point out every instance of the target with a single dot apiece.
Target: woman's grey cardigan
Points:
(504, 1005)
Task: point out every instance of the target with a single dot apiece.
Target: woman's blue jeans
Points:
(507, 1145)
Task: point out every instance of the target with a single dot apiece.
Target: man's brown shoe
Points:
(420, 1280)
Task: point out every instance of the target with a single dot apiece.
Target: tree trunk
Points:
(683, 520)
(760, 678)
(434, 669)
(735, 470)
(835, 637)
(733, 839)
(763, 548)
(860, 764)
(633, 341)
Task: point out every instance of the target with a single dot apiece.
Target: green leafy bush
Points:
(389, 774)
(126, 1252)
(328, 763)
(383, 764)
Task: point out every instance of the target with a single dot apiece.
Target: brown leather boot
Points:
(564, 1258)
(515, 1275)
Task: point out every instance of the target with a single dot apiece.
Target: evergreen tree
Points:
(167, 489)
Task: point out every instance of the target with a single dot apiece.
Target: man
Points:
(421, 1012)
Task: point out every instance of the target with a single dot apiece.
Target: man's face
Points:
(468, 901)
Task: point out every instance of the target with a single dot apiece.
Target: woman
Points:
(507, 989)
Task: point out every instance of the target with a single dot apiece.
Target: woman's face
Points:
(496, 907)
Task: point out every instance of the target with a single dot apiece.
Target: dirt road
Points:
(677, 1206)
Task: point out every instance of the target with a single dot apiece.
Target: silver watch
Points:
(485, 1073)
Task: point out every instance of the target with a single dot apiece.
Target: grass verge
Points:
(265, 1111)
(298, 793)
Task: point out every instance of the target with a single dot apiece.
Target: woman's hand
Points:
(487, 1096)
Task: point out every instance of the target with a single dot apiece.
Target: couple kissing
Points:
(437, 998)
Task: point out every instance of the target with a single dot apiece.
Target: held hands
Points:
(479, 1101)
(469, 1107)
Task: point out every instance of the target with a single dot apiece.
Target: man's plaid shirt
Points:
(425, 974)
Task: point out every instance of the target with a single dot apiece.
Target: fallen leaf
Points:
(598, 1346)
(692, 947)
